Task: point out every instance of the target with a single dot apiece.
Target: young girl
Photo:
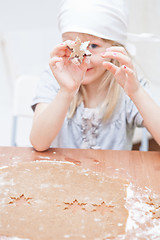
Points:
(98, 103)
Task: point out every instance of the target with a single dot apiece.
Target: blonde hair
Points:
(112, 96)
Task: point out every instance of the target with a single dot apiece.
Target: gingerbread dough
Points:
(79, 50)
(53, 200)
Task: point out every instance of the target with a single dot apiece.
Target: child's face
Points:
(95, 71)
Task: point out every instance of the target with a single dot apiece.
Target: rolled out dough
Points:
(53, 200)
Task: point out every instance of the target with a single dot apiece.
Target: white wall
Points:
(145, 17)
(30, 30)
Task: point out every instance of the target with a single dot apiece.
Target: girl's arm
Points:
(126, 77)
(48, 118)
(149, 110)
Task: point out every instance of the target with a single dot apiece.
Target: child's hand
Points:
(68, 75)
(125, 74)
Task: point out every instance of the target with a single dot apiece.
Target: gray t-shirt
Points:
(86, 129)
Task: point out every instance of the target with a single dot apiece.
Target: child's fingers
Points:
(70, 43)
(119, 53)
(84, 65)
(53, 62)
(111, 67)
(117, 49)
(130, 72)
(123, 59)
(60, 50)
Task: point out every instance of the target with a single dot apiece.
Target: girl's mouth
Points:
(89, 69)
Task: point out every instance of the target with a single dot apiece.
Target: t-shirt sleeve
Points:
(133, 116)
(46, 90)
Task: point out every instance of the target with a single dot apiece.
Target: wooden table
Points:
(142, 168)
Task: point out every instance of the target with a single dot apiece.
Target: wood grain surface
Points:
(141, 168)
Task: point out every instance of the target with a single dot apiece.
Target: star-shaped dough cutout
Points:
(79, 50)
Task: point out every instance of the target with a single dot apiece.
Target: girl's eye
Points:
(93, 46)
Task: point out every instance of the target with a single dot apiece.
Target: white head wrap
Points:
(107, 19)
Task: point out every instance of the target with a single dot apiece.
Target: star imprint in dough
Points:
(20, 200)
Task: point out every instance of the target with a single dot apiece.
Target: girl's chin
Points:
(85, 82)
